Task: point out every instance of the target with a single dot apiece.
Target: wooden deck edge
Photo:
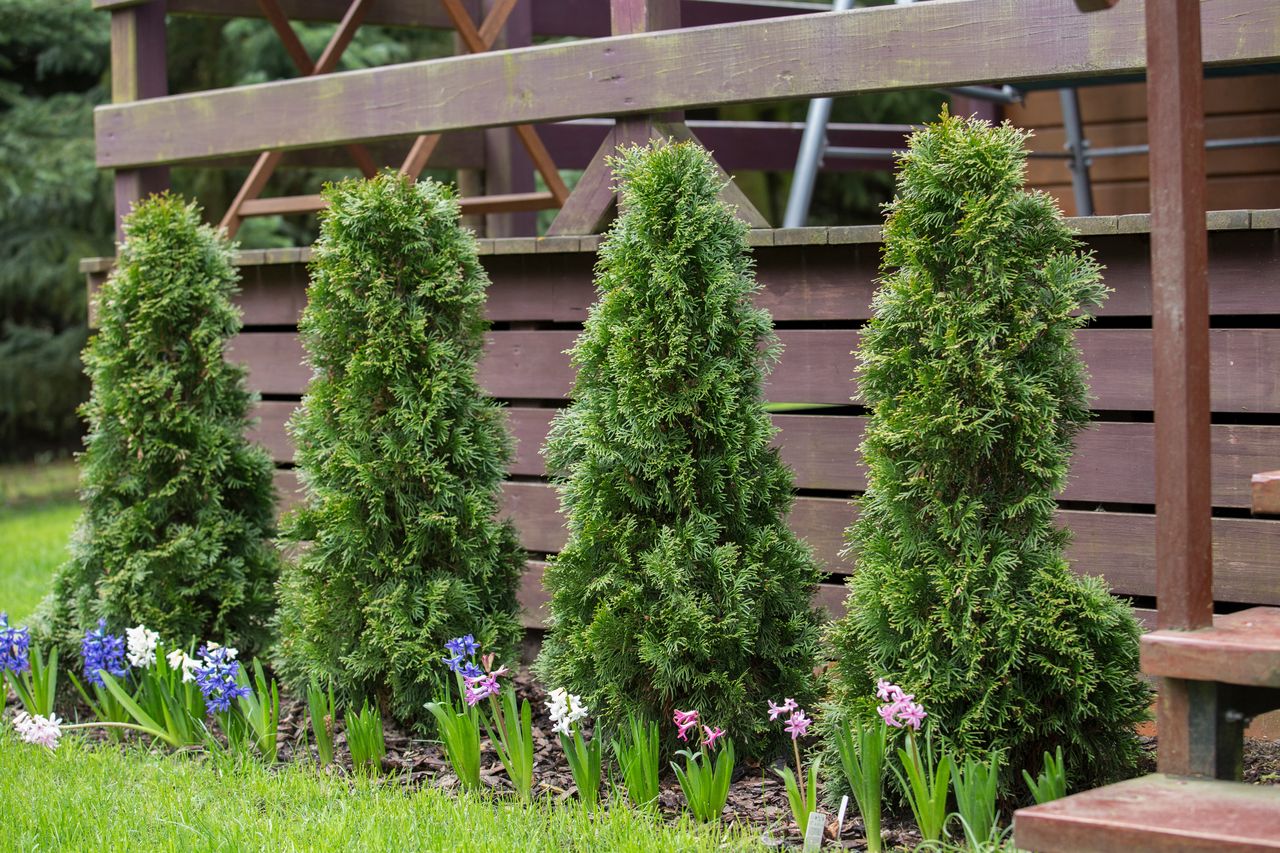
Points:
(1085, 226)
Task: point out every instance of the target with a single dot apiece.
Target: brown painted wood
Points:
(1113, 462)
(534, 597)
(1220, 162)
(138, 70)
(1240, 648)
(1265, 493)
(835, 53)
(1225, 192)
(1115, 545)
(295, 204)
(817, 367)
(1180, 316)
(244, 203)
(1121, 102)
(1155, 813)
(580, 18)
(591, 204)
(807, 282)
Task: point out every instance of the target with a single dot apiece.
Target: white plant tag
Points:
(844, 804)
(813, 832)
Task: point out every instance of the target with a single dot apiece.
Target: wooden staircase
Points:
(1213, 673)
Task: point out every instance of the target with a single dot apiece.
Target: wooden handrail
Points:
(835, 53)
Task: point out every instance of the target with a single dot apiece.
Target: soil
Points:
(756, 798)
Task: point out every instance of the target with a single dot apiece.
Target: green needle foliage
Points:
(961, 592)
(179, 508)
(680, 585)
(401, 455)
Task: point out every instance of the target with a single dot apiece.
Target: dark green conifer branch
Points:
(961, 592)
(179, 509)
(680, 585)
(401, 454)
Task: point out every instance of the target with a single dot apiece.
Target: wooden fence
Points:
(818, 284)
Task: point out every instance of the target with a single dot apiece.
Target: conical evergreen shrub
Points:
(961, 592)
(680, 585)
(179, 509)
(400, 453)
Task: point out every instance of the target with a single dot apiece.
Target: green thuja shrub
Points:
(179, 509)
(961, 592)
(680, 585)
(400, 453)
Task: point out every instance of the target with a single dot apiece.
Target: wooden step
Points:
(1265, 489)
(1157, 813)
(1241, 648)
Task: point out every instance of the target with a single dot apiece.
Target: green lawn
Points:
(33, 541)
(84, 798)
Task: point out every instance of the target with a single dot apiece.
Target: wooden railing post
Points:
(1195, 736)
(138, 71)
(507, 166)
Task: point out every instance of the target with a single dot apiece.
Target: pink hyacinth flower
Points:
(710, 736)
(41, 731)
(481, 687)
(887, 691)
(685, 721)
(797, 724)
(889, 713)
(787, 706)
(912, 715)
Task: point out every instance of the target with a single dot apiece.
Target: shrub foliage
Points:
(179, 509)
(680, 585)
(400, 453)
(961, 592)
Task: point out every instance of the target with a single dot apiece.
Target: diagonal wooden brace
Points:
(267, 161)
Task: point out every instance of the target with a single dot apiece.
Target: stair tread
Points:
(1240, 648)
(1156, 812)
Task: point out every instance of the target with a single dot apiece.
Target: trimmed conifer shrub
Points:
(400, 453)
(179, 508)
(961, 592)
(681, 586)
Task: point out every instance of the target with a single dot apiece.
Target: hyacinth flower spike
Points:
(33, 678)
(802, 789)
(927, 777)
(567, 712)
(704, 778)
(459, 724)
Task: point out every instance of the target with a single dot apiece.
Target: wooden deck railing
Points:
(652, 72)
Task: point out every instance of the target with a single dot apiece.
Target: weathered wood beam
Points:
(138, 70)
(924, 45)
(581, 18)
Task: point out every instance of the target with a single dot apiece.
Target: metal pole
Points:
(1081, 186)
(810, 156)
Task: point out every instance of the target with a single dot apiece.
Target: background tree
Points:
(961, 592)
(56, 205)
(680, 585)
(179, 507)
(401, 454)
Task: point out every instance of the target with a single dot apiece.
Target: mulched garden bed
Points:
(756, 798)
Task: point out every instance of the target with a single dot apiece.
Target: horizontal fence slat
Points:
(1118, 546)
(817, 366)
(806, 56)
(534, 597)
(806, 283)
(1113, 462)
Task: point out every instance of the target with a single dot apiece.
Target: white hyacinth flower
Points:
(565, 709)
(178, 659)
(142, 646)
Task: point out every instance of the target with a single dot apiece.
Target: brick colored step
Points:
(1155, 813)
(1241, 648)
(1266, 493)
